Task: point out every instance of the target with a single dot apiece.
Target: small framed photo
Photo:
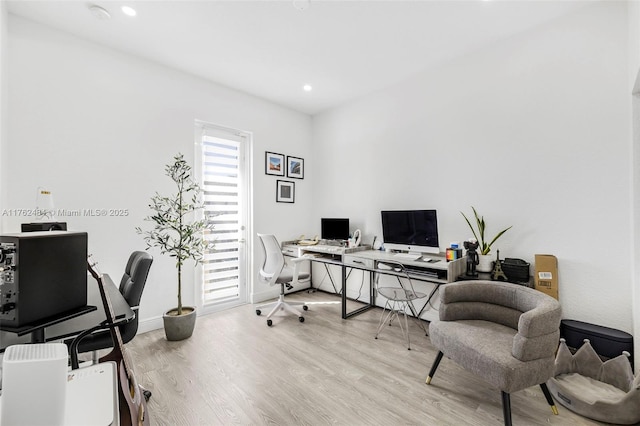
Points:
(295, 167)
(274, 163)
(285, 191)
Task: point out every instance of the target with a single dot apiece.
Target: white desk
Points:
(437, 271)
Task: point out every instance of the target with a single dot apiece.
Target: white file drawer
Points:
(292, 251)
(358, 261)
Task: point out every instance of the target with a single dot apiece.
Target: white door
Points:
(225, 180)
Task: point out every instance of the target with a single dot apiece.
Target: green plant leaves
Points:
(481, 225)
(173, 231)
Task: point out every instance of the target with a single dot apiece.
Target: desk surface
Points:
(435, 261)
(443, 271)
(74, 326)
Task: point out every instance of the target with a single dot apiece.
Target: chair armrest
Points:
(296, 267)
(538, 330)
(267, 278)
(543, 319)
(73, 347)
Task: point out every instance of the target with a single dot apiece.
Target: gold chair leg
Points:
(549, 398)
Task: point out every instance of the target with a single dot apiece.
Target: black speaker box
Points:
(44, 226)
(607, 342)
(43, 274)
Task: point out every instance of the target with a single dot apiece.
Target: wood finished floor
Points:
(236, 370)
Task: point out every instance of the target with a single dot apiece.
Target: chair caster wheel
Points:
(258, 312)
(147, 395)
(301, 319)
(305, 308)
(269, 322)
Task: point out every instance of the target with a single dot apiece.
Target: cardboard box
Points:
(546, 276)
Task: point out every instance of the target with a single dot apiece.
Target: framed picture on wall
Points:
(295, 167)
(274, 163)
(285, 191)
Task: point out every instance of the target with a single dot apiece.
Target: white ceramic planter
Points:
(486, 263)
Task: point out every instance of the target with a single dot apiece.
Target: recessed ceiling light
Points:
(307, 87)
(99, 12)
(129, 11)
(301, 4)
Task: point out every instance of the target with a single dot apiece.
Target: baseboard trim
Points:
(156, 323)
(270, 293)
(150, 324)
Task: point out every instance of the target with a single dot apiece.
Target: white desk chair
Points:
(276, 271)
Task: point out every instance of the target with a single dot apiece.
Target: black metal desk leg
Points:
(335, 290)
(372, 290)
(435, 288)
(37, 336)
(344, 292)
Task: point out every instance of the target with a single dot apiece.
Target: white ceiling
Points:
(344, 49)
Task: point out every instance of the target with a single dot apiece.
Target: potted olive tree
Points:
(177, 232)
(485, 262)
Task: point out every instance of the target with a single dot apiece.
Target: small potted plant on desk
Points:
(177, 233)
(485, 262)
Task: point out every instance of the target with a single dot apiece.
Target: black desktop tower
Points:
(42, 274)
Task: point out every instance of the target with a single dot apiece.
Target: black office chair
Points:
(131, 286)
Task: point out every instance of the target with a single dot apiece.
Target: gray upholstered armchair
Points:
(505, 333)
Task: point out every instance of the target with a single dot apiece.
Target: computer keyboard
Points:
(407, 256)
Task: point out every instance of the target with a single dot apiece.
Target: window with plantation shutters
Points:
(224, 183)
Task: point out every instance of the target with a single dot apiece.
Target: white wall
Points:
(97, 127)
(634, 84)
(3, 96)
(534, 132)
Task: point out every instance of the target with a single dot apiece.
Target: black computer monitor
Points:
(335, 229)
(43, 226)
(410, 230)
